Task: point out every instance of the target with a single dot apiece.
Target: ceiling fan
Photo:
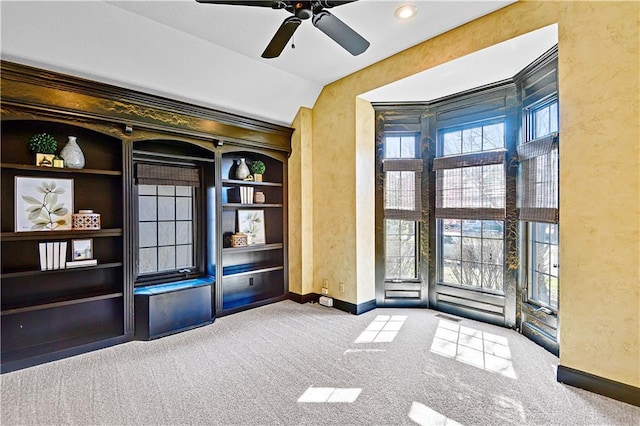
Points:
(337, 30)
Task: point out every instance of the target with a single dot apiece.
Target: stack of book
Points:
(53, 255)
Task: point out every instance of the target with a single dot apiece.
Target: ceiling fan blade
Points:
(281, 37)
(274, 4)
(333, 3)
(340, 32)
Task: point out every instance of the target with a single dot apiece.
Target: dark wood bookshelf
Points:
(252, 275)
(236, 182)
(56, 235)
(29, 273)
(251, 206)
(70, 300)
(257, 247)
(45, 313)
(41, 169)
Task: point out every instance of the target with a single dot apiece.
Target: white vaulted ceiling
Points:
(210, 54)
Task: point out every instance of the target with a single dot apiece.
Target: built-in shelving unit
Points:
(255, 274)
(51, 314)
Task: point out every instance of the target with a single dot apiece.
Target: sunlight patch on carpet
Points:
(330, 395)
(425, 416)
(474, 347)
(383, 329)
(352, 351)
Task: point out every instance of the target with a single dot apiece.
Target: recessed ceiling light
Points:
(407, 11)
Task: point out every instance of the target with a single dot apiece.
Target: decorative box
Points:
(86, 219)
(239, 239)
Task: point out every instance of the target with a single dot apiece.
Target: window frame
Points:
(529, 125)
(418, 189)
(176, 274)
(472, 156)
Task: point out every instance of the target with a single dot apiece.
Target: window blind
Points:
(471, 186)
(402, 189)
(152, 174)
(538, 201)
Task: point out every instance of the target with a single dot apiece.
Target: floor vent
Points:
(448, 317)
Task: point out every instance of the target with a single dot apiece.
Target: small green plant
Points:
(258, 167)
(43, 143)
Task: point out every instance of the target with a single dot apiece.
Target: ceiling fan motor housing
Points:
(303, 10)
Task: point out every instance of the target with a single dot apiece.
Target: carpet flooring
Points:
(292, 364)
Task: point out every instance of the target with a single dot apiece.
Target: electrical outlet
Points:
(325, 283)
(341, 287)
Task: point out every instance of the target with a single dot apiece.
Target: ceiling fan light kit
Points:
(326, 22)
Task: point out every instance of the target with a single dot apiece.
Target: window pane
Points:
(166, 208)
(166, 190)
(542, 284)
(166, 258)
(393, 267)
(166, 233)
(492, 229)
(147, 208)
(553, 117)
(391, 147)
(147, 234)
(471, 273)
(452, 143)
(183, 208)
(471, 228)
(400, 249)
(148, 260)
(451, 248)
(492, 277)
(541, 122)
(146, 190)
(451, 273)
(553, 290)
(471, 249)
(184, 233)
(544, 268)
(492, 252)
(408, 147)
(184, 191)
(493, 136)
(184, 255)
(472, 253)
(472, 140)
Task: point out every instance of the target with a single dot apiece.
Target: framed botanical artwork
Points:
(43, 204)
(251, 222)
(82, 249)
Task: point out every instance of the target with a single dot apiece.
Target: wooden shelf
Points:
(56, 235)
(73, 300)
(29, 356)
(249, 269)
(252, 206)
(257, 247)
(234, 182)
(59, 170)
(57, 271)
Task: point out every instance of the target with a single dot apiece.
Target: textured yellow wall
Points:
(365, 200)
(599, 205)
(600, 191)
(300, 201)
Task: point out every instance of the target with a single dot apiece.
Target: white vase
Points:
(242, 172)
(72, 154)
